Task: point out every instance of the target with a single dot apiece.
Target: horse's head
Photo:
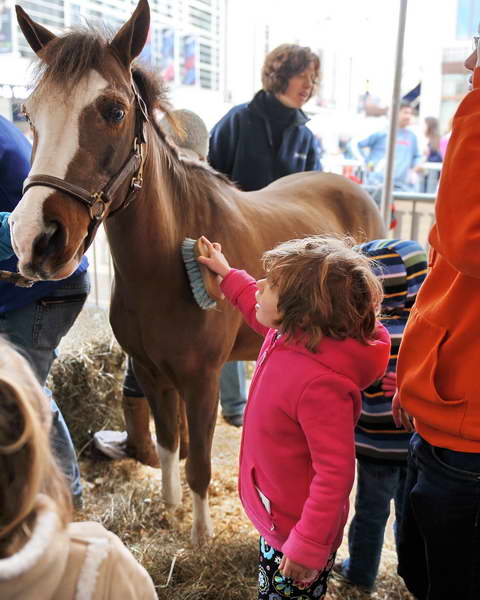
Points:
(87, 120)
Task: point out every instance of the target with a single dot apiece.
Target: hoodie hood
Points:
(401, 267)
(361, 363)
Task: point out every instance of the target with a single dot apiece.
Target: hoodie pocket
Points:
(258, 503)
(419, 371)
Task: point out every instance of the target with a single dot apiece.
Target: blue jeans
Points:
(131, 387)
(439, 534)
(233, 389)
(36, 331)
(377, 485)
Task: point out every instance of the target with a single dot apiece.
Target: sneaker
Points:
(235, 420)
(111, 443)
(339, 573)
(114, 444)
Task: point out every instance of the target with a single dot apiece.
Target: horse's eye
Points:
(117, 115)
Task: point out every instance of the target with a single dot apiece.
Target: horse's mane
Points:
(66, 59)
(188, 178)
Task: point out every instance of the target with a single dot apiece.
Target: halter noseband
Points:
(98, 202)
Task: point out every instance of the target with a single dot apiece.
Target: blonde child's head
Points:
(27, 466)
(325, 288)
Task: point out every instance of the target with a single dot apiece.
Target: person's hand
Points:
(389, 383)
(302, 576)
(216, 261)
(418, 169)
(400, 415)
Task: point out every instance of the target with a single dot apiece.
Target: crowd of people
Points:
(417, 162)
(344, 327)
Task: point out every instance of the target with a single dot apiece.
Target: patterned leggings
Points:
(273, 586)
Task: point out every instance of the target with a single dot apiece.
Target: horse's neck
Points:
(177, 201)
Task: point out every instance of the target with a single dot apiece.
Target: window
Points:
(200, 18)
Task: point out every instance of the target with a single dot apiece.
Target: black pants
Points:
(273, 586)
(439, 536)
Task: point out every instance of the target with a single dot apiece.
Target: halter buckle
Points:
(137, 179)
(97, 208)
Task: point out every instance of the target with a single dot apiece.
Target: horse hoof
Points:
(172, 497)
(201, 533)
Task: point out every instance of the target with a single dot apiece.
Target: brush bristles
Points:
(195, 275)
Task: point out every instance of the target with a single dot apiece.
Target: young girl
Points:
(317, 309)
(42, 555)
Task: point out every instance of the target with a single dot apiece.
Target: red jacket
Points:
(297, 458)
(438, 364)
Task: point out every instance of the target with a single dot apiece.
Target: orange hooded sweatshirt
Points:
(439, 363)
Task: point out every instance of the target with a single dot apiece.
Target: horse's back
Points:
(328, 192)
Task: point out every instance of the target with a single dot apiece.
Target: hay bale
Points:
(87, 385)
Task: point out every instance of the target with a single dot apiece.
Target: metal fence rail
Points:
(415, 216)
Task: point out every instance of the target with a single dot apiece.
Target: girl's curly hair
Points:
(283, 63)
(325, 288)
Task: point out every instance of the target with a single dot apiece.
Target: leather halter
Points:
(98, 202)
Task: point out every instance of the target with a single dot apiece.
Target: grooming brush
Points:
(203, 282)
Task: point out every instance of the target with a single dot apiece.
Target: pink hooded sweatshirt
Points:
(297, 457)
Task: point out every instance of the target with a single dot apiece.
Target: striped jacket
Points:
(401, 266)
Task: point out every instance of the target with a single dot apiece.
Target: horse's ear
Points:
(36, 35)
(130, 40)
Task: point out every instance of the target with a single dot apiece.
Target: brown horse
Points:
(98, 153)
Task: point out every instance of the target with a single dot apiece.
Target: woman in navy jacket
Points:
(260, 141)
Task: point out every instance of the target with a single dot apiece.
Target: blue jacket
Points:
(241, 146)
(15, 151)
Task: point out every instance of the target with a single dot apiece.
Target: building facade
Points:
(185, 43)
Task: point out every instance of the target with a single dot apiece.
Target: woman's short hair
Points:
(27, 465)
(283, 63)
(325, 288)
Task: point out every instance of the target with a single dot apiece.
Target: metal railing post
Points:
(385, 207)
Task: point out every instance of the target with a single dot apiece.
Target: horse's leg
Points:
(137, 421)
(164, 400)
(201, 399)
(165, 414)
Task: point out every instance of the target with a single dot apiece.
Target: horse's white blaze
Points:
(170, 465)
(202, 525)
(56, 121)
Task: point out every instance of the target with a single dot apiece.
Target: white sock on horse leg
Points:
(171, 486)
(202, 527)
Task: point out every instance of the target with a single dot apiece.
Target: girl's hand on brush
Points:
(216, 261)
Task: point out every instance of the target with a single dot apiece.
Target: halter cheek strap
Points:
(98, 202)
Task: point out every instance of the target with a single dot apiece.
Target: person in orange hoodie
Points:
(438, 385)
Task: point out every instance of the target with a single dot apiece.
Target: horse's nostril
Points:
(51, 240)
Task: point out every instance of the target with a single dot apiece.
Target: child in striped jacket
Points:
(381, 448)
